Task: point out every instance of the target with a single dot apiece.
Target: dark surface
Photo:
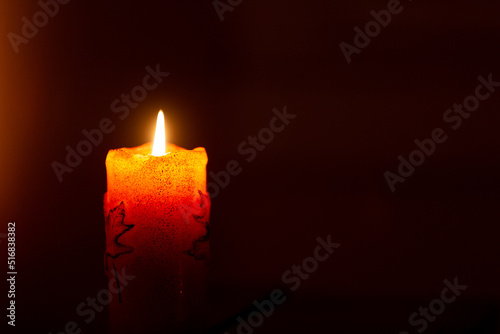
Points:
(322, 175)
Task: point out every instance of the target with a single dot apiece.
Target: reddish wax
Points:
(157, 211)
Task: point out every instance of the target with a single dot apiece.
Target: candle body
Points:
(157, 211)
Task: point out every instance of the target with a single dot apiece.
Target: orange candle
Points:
(157, 210)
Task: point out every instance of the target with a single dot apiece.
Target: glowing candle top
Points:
(155, 171)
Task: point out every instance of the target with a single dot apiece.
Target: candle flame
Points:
(160, 143)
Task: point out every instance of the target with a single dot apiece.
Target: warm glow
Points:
(160, 141)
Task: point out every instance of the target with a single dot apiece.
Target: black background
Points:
(322, 175)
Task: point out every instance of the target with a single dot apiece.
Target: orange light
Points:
(159, 143)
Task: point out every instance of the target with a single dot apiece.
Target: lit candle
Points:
(157, 210)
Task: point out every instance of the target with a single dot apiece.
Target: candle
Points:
(156, 210)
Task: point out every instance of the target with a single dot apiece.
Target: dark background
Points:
(322, 175)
